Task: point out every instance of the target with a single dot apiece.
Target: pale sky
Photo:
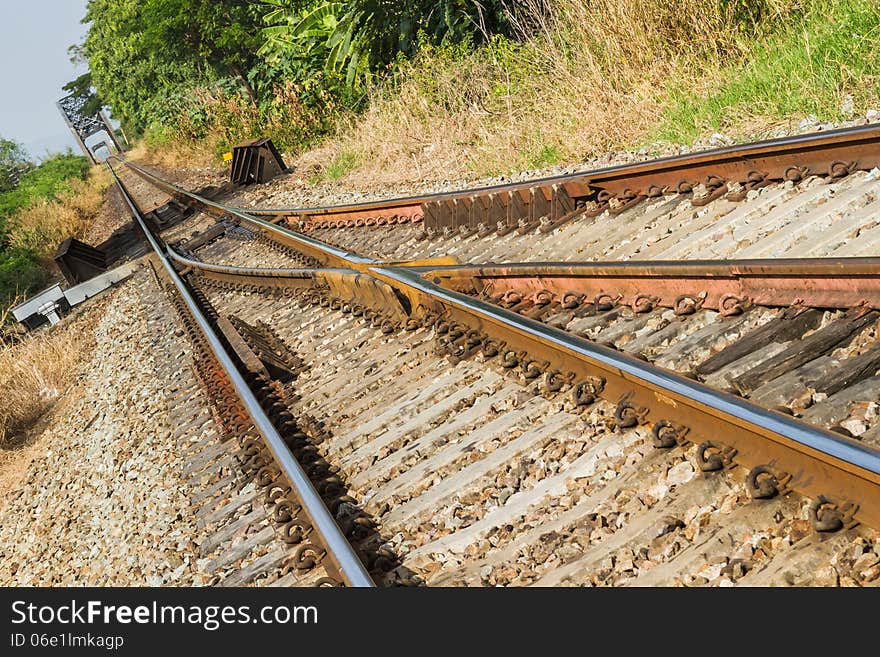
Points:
(34, 65)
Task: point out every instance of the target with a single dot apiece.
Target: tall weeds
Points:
(44, 214)
(219, 119)
(582, 79)
(35, 369)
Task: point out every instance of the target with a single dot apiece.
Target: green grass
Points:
(805, 67)
(21, 271)
(342, 164)
(545, 156)
(47, 181)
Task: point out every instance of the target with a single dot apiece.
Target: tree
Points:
(14, 161)
(149, 59)
(144, 52)
(363, 36)
(128, 69)
(82, 87)
(222, 34)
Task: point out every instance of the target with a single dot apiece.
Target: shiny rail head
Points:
(353, 571)
(253, 272)
(839, 447)
(335, 256)
(863, 137)
(811, 452)
(546, 204)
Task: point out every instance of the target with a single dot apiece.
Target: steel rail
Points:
(329, 255)
(739, 153)
(832, 266)
(815, 460)
(256, 272)
(821, 462)
(551, 201)
(810, 454)
(813, 282)
(338, 548)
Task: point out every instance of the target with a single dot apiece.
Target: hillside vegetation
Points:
(39, 207)
(48, 203)
(402, 89)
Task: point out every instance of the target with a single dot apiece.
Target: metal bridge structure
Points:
(84, 125)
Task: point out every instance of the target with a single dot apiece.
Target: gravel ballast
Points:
(105, 503)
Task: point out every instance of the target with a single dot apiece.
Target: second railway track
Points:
(483, 457)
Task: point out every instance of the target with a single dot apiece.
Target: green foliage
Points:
(21, 271)
(219, 35)
(174, 68)
(82, 87)
(342, 164)
(143, 52)
(214, 72)
(805, 67)
(46, 181)
(545, 156)
(14, 161)
(303, 31)
(295, 44)
(20, 274)
(129, 69)
(360, 37)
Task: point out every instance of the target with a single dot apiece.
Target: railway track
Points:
(748, 201)
(583, 423)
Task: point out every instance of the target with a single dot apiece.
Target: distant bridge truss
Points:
(84, 125)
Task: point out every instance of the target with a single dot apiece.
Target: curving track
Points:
(649, 423)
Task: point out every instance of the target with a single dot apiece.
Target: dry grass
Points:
(581, 79)
(36, 373)
(37, 369)
(227, 119)
(42, 225)
(584, 77)
(175, 154)
(588, 77)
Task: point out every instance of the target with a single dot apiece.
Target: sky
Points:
(34, 65)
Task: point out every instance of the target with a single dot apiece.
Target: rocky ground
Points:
(477, 478)
(106, 489)
(104, 503)
(128, 481)
(112, 215)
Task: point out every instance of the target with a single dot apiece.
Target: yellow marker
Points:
(227, 157)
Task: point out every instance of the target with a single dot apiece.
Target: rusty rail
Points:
(724, 285)
(377, 298)
(547, 202)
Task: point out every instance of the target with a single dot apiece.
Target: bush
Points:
(52, 178)
(20, 273)
(51, 202)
